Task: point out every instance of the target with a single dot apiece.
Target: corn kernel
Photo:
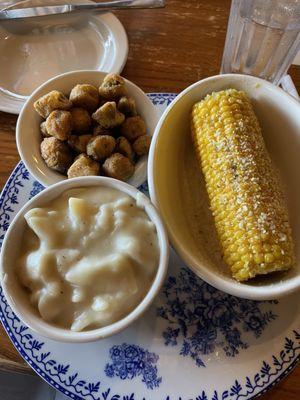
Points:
(258, 258)
(269, 258)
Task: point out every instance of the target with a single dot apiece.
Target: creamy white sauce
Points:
(88, 258)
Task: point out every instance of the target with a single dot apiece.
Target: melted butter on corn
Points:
(245, 196)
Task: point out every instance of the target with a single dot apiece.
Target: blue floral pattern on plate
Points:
(36, 189)
(9, 200)
(129, 361)
(206, 318)
(164, 99)
(71, 377)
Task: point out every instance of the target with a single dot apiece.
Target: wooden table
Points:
(169, 49)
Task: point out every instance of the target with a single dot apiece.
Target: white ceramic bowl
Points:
(18, 299)
(28, 131)
(177, 188)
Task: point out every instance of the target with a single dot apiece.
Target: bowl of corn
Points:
(224, 172)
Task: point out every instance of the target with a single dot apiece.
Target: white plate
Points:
(194, 343)
(31, 52)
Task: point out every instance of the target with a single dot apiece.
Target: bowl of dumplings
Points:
(78, 273)
(86, 123)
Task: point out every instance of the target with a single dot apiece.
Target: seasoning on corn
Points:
(244, 191)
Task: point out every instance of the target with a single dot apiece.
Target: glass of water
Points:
(263, 38)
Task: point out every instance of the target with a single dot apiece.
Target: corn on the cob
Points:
(244, 191)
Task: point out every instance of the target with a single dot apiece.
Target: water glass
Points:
(263, 38)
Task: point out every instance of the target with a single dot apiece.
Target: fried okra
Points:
(59, 124)
(56, 154)
(112, 87)
(83, 166)
(43, 129)
(98, 125)
(124, 147)
(133, 127)
(141, 145)
(118, 166)
(81, 120)
(85, 96)
(108, 116)
(127, 106)
(98, 130)
(101, 147)
(51, 101)
(79, 143)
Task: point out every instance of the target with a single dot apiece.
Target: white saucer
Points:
(31, 52)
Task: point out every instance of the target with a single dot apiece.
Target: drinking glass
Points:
(263, 38)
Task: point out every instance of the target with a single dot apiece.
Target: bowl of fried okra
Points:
(86, 123)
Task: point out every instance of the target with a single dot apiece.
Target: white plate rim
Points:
(121, 47)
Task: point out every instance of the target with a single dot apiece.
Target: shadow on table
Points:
(24, 387)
